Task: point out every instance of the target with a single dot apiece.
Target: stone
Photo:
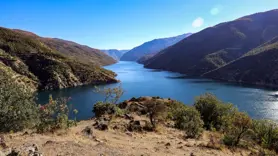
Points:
(88, 131)
(168, 144)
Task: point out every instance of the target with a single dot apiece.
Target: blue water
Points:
(138, 81)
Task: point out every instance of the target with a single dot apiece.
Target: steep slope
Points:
(215, 46)
(74, 50)
(27, 60)
(258, 66)
(115, 54)
(152, 47)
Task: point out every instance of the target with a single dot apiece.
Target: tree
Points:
(157, 110)
(189, 120)
(237, 126)
(212, 110)
(18, 109)
(112, 95)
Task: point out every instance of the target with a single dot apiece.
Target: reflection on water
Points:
(138, 81)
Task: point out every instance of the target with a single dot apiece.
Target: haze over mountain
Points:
(115, 53)
(152, 47)
(216, 46)
(47, 63)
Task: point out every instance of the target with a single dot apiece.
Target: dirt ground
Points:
(73, 142)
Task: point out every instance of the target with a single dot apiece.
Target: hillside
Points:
(74, 50)
(115, 54)
(28, 60)
(259, 66)
(152, 47)
(216, 46)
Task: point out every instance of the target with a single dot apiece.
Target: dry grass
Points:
(166, 141)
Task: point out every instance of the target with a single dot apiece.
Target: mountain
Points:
(216, 46)
(259, 66)
(71, 49)
(114, 53)
(152, 47)
(41, 63)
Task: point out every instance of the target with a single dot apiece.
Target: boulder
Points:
(88, 131)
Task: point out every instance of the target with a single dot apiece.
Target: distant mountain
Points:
(216, 46)
(43, 63)
(258, 66)
(152, 47)
(114, 53)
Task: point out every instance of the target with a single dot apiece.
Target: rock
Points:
(128, 133)
(192, 154)
(13, 152)
(135, 126)
(129, 117)
(101, 124)
(88, 131)
(168, 144)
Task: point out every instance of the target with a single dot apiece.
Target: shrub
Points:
(112, 95)
(17, 107)
(237, 127)
(189, 119)
(54, 115)
(101, 108)
(212, 110)
(266, 133)
(174, 108)
(156, 110)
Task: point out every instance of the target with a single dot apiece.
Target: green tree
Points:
(157, 110)
(18, 109)
(189, 120)
(236, 128)
(213, 111)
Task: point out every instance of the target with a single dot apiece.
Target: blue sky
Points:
(122, 24)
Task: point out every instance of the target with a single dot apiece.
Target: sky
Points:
(122, 24)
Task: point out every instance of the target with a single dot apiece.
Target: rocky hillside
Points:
(74, 50)
(259, 66)
(216, 46)
(115, 54)
(152, 47)
(29, 60)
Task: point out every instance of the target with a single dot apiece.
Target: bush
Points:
(189, 119)
(174, 108)
(17, 107)
(54, 115)
(156, 110)
(101, 108)
(213, 111)
(266, 133)
(236, 128)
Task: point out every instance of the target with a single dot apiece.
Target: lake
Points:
(138, 81)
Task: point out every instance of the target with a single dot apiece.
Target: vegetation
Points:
(213, 111)
(28, 55)
(55, 115)
(236, 128)
(189, 119)
(18, 110)
(156, 110)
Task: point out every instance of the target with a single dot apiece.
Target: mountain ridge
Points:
(152, 47)
(216, 46)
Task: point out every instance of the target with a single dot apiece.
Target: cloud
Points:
(198, 22)
(216, 10)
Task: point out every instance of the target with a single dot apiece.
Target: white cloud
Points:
(216, 10)
(198, 22)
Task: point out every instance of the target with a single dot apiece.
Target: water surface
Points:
(138, 81)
